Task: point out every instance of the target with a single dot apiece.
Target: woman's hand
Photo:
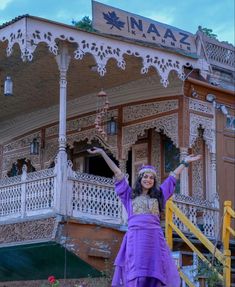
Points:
(96, 150)
(99, 151)
(185, 163)
(192, 158)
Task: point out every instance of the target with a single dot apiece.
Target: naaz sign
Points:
(110, 20)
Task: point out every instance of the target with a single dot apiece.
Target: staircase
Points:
(224, 258)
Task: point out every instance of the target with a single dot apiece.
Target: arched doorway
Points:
(153, 148)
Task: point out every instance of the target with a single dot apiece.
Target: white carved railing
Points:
(201, 213)
(27, 195)
(94, 197)
(221, 54)
(87, 197)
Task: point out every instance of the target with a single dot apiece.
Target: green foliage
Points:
(85, 24)
(211, 274)
(208, 32)
(108, 270)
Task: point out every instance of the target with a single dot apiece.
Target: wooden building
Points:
(57, 202)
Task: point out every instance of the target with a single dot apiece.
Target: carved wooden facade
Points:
(147, 114)
(162, 115)
(141, 108)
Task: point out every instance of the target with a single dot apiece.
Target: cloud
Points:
(224, 33)
(166, 17)
(4, 3)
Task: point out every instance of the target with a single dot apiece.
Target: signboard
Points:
(110, 20)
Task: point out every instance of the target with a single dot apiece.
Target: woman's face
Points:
(147, 181)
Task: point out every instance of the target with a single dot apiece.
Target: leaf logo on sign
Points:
(113, 20)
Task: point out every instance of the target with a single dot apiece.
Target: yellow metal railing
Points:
(227, 230)
(185, 278)
(224, 258)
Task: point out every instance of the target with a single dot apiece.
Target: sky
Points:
(187, 15)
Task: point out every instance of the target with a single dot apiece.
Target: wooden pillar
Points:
(62, 60)
(184, 182)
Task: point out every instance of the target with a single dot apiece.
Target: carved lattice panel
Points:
(192, 214)
(177, 221)
(198, 188)
(32, 230)
(220, 54)
(200, 212)
(10, 200)
(156, 153)
(40, 194)
(209, 223)
(92, 199)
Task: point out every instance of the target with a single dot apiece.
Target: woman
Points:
(144, 259)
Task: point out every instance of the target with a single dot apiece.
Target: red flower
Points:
(51, 279)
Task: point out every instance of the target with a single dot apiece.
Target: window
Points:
(230, 123)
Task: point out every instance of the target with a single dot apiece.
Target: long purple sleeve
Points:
(123, 190)
(168, 187)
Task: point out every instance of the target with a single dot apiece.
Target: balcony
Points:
(32, 196)
(221, 56)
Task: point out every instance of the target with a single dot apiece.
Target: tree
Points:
(85, 24)
(208, 32)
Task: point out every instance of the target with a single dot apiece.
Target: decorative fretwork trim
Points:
(91, 134)
(17, 149)
(169, 124)
(200, 106)
(21, 143)
(29, 32)
(208, 125)
(34, 230)
(198, 188)
(74, 125)
(140, 111)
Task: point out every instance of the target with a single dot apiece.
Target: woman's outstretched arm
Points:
(116, 170)
(185, 163)
(168, 186)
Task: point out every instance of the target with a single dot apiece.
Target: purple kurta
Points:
(144, 259)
